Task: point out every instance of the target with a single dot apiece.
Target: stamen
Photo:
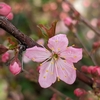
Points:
(33, 59)
(47, 71)
(44, 77)
(63, 68)
(52, 62)
(52, 48)
(58, 49)
(75, 56)
(73, 67)
(56, 40)
(51, 73)
(58, 78)
(65, 76)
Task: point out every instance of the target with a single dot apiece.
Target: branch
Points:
(28, 42)
(21, 37)
(82, 19)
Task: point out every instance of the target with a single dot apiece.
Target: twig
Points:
(59, 93)
(90, 55)
(82, 19)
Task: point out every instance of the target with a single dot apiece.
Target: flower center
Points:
(55, 56)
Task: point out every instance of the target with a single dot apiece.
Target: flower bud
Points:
(96, 71)
(5, 57)
(10, 16)
(79, 92)
(68, 21)
(84, 69)
(15, 67)
(4, 9)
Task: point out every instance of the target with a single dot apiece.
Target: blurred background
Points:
(27, 15)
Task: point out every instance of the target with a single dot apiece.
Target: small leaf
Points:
(48, 32)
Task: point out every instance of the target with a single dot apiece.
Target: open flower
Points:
(57, 64)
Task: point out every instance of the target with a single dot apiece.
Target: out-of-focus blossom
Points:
(5, 57)
(79, 92)
(57, 64)
(15, 67)
(65, 7)
(5, 10)
(90, 34)
(86, 3)
(62, 15)
(40, 41)
(68, 21)
(53, 6)
(61, 28)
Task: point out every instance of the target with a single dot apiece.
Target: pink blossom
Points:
(15, 67)
(5, 10)
(57, 64)
(5, 57)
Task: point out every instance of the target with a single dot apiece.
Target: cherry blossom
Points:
(56, 63)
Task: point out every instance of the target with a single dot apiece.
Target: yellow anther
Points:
(58, 49)
(33, 59)
(51, 73)
(40, 64)
(74, 67)
(63, 68)
(52, 62)
(56, 40)
(44, 77)
(47, 71)
(73, 45)
(75, 56)
(58, 78)
(52, 48)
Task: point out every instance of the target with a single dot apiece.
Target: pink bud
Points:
(79, 92)
(89, 69)
(5, 57)
(4, 9)
(96, 71)
(68, 21)
(10, 16)
(84, 69)
(15, 67)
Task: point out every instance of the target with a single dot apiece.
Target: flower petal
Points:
(37, 54)
(65, 71)
(47, 74)
(58, 43)
(72, 54)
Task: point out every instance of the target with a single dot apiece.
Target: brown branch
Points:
(28, 42)
(21, 37)
(81, 76)
(82, 19)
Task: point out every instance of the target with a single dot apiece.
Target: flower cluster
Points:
(57, 63)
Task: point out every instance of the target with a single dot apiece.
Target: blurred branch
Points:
(89, 54)
(59, 93)
(82, 19)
